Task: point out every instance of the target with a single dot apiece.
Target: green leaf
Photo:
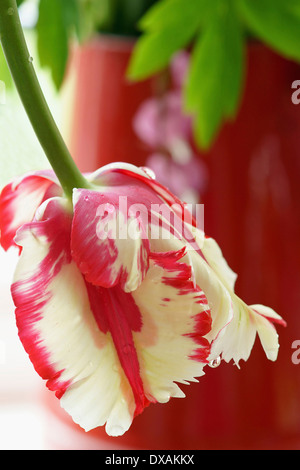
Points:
(170, 25)
(213, 87)
(54, 26)
(275, 22)
(71, 14)
(170, 12)
(153, 53)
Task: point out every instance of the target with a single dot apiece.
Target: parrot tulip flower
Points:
(119, 295)
(111, 316)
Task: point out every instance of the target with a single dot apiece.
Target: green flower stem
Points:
(27, 84)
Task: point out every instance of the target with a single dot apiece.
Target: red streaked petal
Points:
(158, 188)
(116, 311)
(111, 174)
(59, 331)
(176, 318)
(108, 245)
(20, 199)
(166, 209)
(114, 173)
(268, 313)
(158, 330)
(46, 244)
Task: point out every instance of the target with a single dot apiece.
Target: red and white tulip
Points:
(116, 319)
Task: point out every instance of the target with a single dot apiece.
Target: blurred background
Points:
(204, 93)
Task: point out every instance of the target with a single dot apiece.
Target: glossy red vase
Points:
(252, 208)
(104, 103)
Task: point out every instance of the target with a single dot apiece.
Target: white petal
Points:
(238, 337)
(217, 262)
(263, 317)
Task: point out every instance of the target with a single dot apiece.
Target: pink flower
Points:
(166, 129)
(179, 67)
(159, 121)
(112, 316)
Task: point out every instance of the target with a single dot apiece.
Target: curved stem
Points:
(27, 84)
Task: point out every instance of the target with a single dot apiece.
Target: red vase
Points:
(252, 208)
(104, 103)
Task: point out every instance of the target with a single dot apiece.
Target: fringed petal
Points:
(172, 344)
(264, 317)
(239, 336)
